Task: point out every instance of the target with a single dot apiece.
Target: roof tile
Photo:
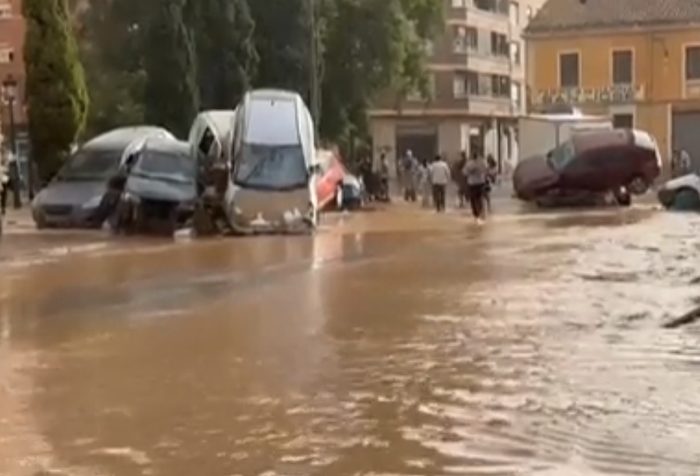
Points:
(574, 15)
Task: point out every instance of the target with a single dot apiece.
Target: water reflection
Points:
(498, 350)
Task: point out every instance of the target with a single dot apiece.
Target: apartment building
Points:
(478, 88)
(12, 66)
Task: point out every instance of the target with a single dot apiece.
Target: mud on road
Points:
(399, 343)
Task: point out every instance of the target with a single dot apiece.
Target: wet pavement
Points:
(393, 343)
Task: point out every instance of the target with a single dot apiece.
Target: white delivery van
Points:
(540, 133)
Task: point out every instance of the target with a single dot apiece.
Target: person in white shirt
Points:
(440, 177)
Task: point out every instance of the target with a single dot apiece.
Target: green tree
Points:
(225, 50)
(283, 39)
(388, 57)
(111, 48)
(171, 97)
(57, 98)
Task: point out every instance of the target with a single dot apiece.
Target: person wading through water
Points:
(424, 184)
(491, 178)
(476, 173)
(409, 170)
(440, 177)
(383, 173)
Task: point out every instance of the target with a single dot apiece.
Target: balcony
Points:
(492, 106)
(471, 16)
(489, 64)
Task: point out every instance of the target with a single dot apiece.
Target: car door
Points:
(584, 171)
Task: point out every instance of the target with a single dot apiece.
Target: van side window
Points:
(206, 142)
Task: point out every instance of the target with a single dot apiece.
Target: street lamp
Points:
(9, 96)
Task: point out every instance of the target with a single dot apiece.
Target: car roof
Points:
(592, 139)
(122, 137)
(164, 144)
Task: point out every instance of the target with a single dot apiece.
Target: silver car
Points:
(74, 195)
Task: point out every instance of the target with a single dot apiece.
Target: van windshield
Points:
(278, 167)
(91, 164)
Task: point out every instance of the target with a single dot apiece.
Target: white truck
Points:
(540, 133)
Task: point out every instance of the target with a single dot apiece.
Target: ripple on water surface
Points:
(537, 357)
(581, 378)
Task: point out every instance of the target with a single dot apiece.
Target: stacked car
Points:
(590, 167)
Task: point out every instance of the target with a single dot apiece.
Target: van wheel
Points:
(638, 186)
(686, 200)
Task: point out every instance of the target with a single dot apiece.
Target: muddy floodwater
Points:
(391, 344)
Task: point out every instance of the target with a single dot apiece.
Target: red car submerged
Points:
(618, 161)
(332, 174)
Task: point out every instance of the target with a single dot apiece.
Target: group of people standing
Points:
(474, 176)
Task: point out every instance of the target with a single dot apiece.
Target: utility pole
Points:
(314, 92)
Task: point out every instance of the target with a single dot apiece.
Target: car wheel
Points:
(623, 197)
(686, 200)
(638, 186)
(40, 221)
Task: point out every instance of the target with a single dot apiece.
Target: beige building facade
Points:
(477, 76)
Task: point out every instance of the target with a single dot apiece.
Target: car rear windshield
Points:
(160, 164)
(91, 164)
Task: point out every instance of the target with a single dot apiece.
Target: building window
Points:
(472, 79)
(500, 86)
(569, 70)
(623, 121)
(622, 67)
(465, 84)
(459, 86)
(465, 39)
(484, 85)
(5, 11)
(692, 63)
(493, 6)
(499, 45)
(7, 55)
(529, 13)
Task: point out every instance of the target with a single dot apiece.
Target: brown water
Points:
(389, 345)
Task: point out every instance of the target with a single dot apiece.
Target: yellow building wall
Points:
(659, 66)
